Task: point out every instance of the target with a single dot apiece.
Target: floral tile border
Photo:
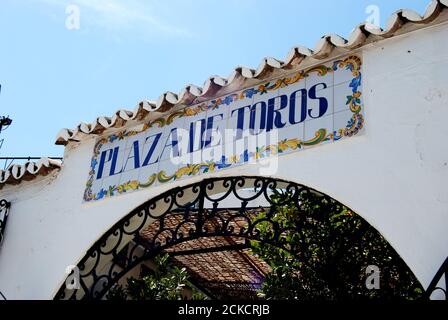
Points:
(354, 125)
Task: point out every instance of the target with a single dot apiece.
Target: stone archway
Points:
(187, 214)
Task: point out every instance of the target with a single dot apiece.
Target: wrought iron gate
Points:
(199, 205)
(199, 210)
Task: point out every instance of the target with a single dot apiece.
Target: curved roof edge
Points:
(244, 77)
(28, 171)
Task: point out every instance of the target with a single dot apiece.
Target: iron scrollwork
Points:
(185, 214)
(4, 212)
(434, 285)
(200, 212)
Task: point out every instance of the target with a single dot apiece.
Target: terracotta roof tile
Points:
(400, 22)
(28, 171)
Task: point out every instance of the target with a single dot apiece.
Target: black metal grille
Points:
(4, 212)
(434, 285)
(103, 264)
(192, 212)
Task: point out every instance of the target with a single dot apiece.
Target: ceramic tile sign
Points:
(304, 109)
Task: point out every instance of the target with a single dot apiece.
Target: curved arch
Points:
(197, 205)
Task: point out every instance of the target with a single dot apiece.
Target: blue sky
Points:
(126, 51)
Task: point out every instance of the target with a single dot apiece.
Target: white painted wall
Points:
(394, 175)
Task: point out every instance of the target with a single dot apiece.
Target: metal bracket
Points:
(4, 212)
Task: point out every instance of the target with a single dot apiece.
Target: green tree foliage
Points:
(332, 248)
(167, 282)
